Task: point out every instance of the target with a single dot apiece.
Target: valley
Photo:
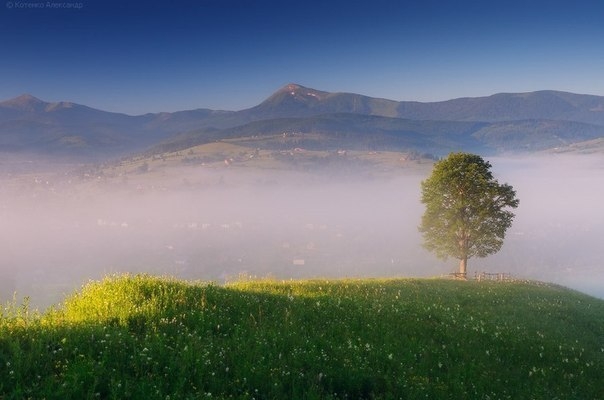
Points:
(228, 209)
(297, 187)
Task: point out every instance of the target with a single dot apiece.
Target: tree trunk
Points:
(462, 237)
(463, 263)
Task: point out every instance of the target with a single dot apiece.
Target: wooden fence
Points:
(497, 276)
(484, 276)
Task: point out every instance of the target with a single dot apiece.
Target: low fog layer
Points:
(57, 235)
(559, 226)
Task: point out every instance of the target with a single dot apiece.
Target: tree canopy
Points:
(467, 209)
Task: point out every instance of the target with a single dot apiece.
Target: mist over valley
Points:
(306, 184)
(220, 221)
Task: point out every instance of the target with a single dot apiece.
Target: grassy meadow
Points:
(138, 336)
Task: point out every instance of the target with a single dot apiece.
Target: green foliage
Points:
(467, 210)
(158, 338)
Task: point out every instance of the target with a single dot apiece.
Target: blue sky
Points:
(132, 57)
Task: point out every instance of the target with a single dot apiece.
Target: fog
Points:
(558, 232)
(58, 232)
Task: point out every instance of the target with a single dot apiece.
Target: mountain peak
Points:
(291, 87)
(297, 93)
(25, 99)
(25, 102)
(28, 103)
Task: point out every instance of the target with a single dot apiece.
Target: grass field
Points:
(161, 338)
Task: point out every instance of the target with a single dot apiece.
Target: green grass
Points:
(160, 338)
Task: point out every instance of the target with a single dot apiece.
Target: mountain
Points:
(30, 124)
(504, 122)
(296, 100)
(299, 101)
(499, 123)
(550, 105)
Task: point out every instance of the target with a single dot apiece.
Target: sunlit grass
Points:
(157, 338)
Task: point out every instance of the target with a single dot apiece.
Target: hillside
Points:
(505, 122)
(595, 146)
(145, 337)
(370, 132)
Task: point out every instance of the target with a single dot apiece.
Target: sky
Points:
(138, 57)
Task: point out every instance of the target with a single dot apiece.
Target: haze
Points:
(219, 225)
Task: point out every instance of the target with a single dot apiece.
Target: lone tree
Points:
(467, 210)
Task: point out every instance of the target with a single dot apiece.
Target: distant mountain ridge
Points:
(552, 105)
(295, 100)
(545, 104)
(33, 125)
(504, 122)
